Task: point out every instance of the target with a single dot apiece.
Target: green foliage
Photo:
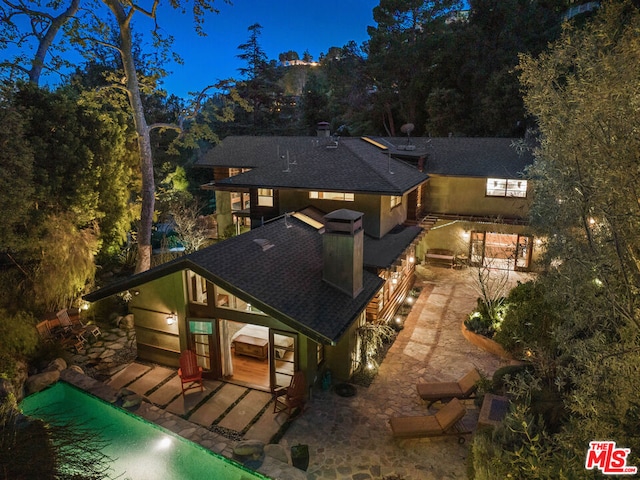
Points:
(580, 318)
(18, 339)
(527, 329)
(506, 374)
(487, 319)
(18, 336)
(67, 266)
(520, 448)
(372, 338)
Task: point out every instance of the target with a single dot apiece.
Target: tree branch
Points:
(171, 126)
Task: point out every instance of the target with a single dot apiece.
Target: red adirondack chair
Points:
(286, 399)
(190, 372)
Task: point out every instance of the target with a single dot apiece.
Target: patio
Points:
(349, 437)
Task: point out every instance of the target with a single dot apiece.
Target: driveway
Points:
(350, 438)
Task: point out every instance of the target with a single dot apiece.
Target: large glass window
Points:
(265, 197)
(342, 196)
(502, 187)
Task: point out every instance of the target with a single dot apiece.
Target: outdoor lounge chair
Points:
(286, 399)
(434, 392)
(190, 372)
(447, 421)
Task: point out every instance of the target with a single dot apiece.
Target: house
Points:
(257, 307)
(337, 226)
(477, 199)
(474, 202)
(328, 251)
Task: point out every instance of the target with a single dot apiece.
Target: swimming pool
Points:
(141, 450)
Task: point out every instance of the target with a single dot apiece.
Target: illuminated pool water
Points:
(142, 450)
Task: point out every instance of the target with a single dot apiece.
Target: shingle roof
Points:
(307, 163)
(284, 281)
(464, 156)
(382, 252)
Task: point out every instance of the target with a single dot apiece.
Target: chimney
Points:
(343, 251)
(323, 129)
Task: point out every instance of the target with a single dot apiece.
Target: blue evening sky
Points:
(297, 25)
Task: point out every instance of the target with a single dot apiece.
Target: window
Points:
(502, 187)
(197, 288)
(265, 197)
(225, 299)
(395, 201)
(319, 353)
(342, 196)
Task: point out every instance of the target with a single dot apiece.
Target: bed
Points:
(253, 339)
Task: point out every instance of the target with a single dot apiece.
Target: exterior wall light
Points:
(172, 318)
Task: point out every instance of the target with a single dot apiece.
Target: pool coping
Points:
(271, 467)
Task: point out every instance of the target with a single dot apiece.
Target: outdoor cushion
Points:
(463, 388)
(442, 423)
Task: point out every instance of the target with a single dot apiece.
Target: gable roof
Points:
(284, 281)
(313, 163)
(463, 156)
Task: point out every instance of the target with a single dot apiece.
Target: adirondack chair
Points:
(190, 372)
(286, 399)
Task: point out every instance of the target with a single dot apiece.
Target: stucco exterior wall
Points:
(158, 341)
(378, 218)
(466, 196)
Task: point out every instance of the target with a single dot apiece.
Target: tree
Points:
(89, 30)
(46, 21)
(259, 86)
(70, 166)
(402, 54)
(583, 93)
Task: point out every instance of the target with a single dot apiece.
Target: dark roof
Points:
(307, 163)
(284, 281)
(463, 156)
(383, 252)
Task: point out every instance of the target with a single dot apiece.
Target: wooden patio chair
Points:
(44, 332)
(47, 336)
(447, 421)
(286, 399)
(90, 328)
(190, 372)
(67, 326)
(464, 388)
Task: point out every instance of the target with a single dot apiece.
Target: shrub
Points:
(480, 325)
(507, 373)
(18, 336)
(526, 330)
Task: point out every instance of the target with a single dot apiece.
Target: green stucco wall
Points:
(466, 196)
(378, 218)
(158, 341)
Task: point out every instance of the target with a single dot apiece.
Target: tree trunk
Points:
(47, 40)
(142, 131)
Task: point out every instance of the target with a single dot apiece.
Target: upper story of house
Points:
(285, 174)
(476, 177)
